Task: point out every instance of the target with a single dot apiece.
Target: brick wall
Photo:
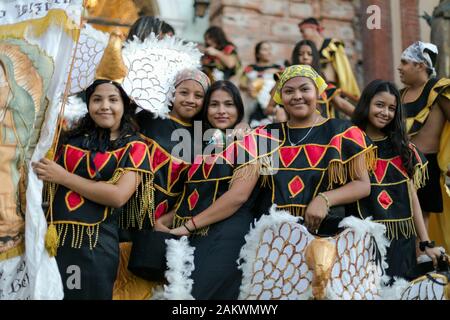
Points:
(410, 21)
(377, 44)
(246, 22)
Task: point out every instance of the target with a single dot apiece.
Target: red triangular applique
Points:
(161, 209)
(249, 144)
(315, 153)
(336, 142)
(380, 170)
(356, 135)
(288, 155)
(159, 158)
(193, 168)
(119, 154)
(208, 165)
(175, 170)
(73, 157)
(229, 153)
(397, 162)
(264, 133)
(100, 160)
(137, 153)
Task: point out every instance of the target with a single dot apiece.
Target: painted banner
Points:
(37, 46)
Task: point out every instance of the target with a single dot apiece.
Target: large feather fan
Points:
(282, 260)
(152, 66)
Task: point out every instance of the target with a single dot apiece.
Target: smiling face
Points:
(106, 107)
(222, 112)
(299, 96)
(382, 110)
(188, 101)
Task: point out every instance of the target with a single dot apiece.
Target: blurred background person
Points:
(221, 60)
(257, 82)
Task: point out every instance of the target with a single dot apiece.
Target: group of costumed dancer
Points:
(313, 207)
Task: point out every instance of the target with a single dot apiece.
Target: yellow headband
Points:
(299, 71)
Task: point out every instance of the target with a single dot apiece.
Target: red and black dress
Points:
(88, 232)
(217, 246)
(216, 70)
(390, 203)
(313, 160)
(170, 157)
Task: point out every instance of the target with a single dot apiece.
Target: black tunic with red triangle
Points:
(390, 203)
(168, 163)
(324, 160)
(217, 246)
(88, 232)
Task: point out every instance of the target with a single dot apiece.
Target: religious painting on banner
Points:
(37, 46)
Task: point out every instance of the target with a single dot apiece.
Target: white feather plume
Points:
(180, 263)
(74, 110)
(152, 67)
(252, 240)
(377, 230)
(91, 45)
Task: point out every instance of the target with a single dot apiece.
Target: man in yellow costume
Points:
(334, 62)
(24, 78)
(426, 99)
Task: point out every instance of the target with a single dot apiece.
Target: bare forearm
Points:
(167, 219)
(228, 60)
(343, 105)
(226, 205)
(222, 208)
(349, 193)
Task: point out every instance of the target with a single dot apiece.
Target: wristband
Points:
(426, 244)
(322, 195)
(184, 225)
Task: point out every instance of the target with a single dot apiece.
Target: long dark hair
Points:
(232, 90)
(219, 37)
(96, 138)
(396, 129)
(144, 26)
(258, 48)
(315, 54)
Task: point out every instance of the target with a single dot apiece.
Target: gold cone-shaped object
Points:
(320, 257)
(112, 66)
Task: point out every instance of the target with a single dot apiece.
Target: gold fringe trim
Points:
(78, 234)
(39, 26)
(405, 227)
(180, 221)
(246, 171)
(295, 210)
(261, 167)
(13, 252)
(141, 203)
(339, 172)
(420, 176)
